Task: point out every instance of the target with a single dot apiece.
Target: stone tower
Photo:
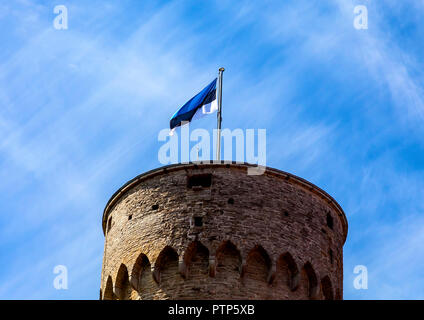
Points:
(211, 231)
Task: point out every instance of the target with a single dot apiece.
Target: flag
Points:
(203, 103)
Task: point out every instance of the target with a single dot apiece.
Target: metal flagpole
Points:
(219, 116)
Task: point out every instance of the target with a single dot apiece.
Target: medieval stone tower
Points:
(211, 231)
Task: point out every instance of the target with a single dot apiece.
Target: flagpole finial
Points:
(221, 69)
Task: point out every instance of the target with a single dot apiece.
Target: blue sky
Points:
(80, 111)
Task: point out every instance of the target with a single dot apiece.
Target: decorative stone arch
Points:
(217, 247)
(327, 288)
(309, 281)
(108, 294)
(227, 271)
(141, 277)
(122, 287)
(287, 264)
(228, 250)
(167, 256)
(141, 264)
(194, 251)
(257, 274)
(258, 259)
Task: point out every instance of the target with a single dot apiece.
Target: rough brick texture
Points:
(211, 231)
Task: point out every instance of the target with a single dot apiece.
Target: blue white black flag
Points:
(203, 103)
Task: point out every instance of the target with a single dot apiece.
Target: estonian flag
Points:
(203, 103)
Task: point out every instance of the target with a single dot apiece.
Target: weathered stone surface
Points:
(272, 236)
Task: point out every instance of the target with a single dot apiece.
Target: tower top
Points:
(291, 178)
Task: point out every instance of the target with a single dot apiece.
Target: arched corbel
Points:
(294, 281)
(182, 267)
(156, 274)
(212, 266)
(117, 291)
(243, 266)
(272, 272)
(133, 281)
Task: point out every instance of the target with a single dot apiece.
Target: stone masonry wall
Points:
(171, 235)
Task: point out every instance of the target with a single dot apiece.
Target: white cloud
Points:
(80, 110)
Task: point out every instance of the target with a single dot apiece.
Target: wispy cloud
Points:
(81, 108)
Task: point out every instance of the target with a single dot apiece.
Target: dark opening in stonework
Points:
(286, 213)
(109, 224)
(155, 207)
(231, 201)
(330, 253)
(198, 221)
(199, 180)
(329, 221)
(130, 217)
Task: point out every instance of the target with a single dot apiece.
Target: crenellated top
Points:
(289, 178)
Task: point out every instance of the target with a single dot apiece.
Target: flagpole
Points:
(219, 116)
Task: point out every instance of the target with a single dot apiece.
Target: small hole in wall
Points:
(231, 201)
(329, 221)
(199, 180)
(109, 225)
(286, 213)
(155, 207)
(198, 221)
(330, 253)
(130, 217)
